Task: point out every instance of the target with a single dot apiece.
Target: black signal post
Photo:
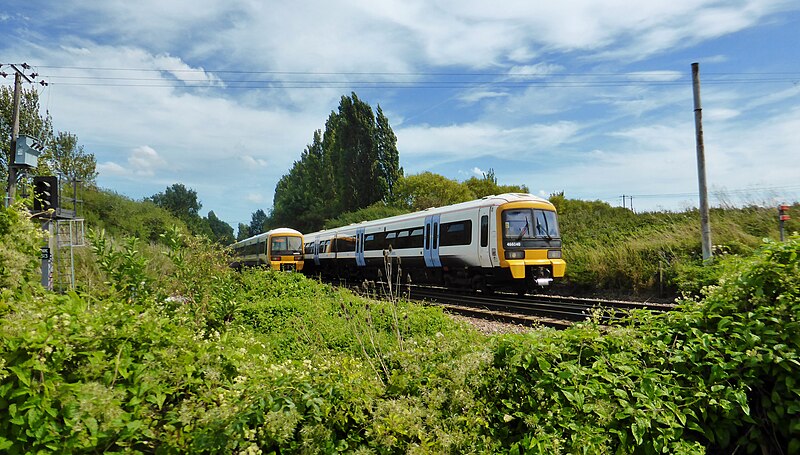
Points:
(45, 193)
(783, 216)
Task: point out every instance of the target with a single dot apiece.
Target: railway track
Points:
(552, 311)
(530, 310)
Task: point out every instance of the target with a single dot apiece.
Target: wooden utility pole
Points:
(705, 225)
(12, 169)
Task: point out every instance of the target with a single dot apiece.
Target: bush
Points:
(719, 374)
(20, 240)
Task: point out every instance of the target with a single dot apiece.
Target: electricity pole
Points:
(19, 75)
(705, 225)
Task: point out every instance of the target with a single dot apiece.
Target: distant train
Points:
(280, 249)
(509, 241)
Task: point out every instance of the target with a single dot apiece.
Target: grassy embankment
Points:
(611, 249)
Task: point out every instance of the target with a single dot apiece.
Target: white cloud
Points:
(255, 198)
(479, 95)
(145, 161)
(428, 145)
(393, 34)
(111, 168)
(538, 70)
(142, 161)
(251, 161)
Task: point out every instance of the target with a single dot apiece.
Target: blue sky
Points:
(593, 98)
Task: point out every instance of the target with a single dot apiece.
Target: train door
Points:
(484, 248)
(360, 248)
(316, 251)
(431, 242)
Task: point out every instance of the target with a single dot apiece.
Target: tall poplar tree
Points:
(354, 164)
(387, 153)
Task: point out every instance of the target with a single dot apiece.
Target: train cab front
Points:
(531, 246)
(286, 253)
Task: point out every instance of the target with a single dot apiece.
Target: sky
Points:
(592, 98)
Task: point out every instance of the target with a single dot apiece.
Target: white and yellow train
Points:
(509, 241)
(279, 249)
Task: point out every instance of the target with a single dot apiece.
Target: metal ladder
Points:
(69, 234)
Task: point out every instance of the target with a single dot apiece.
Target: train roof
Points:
(493, 200)
(276, 231)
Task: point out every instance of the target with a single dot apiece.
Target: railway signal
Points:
(45, 193)
(783, 216)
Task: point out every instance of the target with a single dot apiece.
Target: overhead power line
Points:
(723, 191)
(270, 79)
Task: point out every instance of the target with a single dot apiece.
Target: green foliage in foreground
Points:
(241, 362)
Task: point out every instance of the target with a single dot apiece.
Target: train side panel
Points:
(509, 241)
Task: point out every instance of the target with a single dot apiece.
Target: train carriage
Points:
(279, 249)
(508, 241)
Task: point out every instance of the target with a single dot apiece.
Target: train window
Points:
(427, 238)
(345, 244)
(518, 224)
(373, 242)
(528, 224)
(458, 233)
(485, 231)
(435, 235)
(285, 245)
(402, 239)
(546, 224)
(415, 239)
(308, 248)
(391, 240)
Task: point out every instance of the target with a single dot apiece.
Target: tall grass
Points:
(655, 253)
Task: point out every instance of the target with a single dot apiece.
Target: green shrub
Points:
(20, 239)
(719, 374)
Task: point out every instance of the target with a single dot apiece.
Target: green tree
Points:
(258, 221)
(421, 191)
(303, 196)
(182, 202)
(488, 186)
(353, 165)
(242, 232)
(375, 211)
(64, 156)
(179, 200)
(355, 156)
(387, 154)
(222, 231)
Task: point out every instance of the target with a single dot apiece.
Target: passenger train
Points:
(280, 249)
(509, 241)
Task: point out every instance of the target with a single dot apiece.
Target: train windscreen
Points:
(282, 245)
(520, 224)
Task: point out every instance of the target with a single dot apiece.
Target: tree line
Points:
(351, 172)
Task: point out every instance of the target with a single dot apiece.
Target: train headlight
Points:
(298, 257)
(553, 254)
(515, 255)
(276, 258)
